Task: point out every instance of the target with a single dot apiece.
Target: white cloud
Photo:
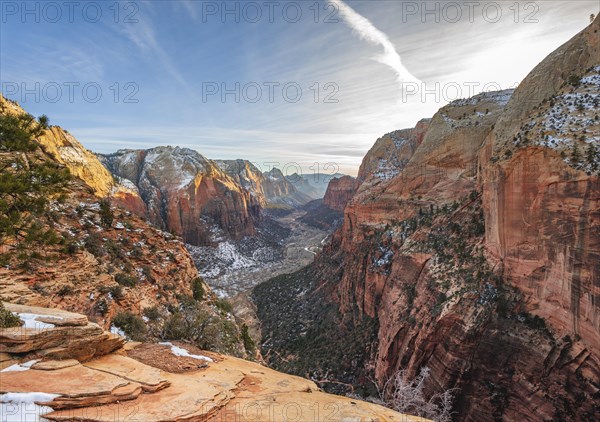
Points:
(367, 31)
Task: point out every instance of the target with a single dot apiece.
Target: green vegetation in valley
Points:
(305, 334)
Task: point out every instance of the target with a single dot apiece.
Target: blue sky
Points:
(169, 57)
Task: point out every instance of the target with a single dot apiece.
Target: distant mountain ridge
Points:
(312, 184)
(271, 188)
(192, 196)
(186, 193)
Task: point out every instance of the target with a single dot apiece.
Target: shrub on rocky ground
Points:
(132, 325)
(8, 319)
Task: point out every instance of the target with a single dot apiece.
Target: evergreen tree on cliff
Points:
(28, 180)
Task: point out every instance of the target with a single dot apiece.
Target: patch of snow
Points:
(448, 119)
(117, 331)
(227, 252)
(20, 367)
(119, 226)
(386, 259)
(128, 184)
(499, 97)
(31, 322)
(308, 250)
(23, 407)
(178, 351)
(72, 155)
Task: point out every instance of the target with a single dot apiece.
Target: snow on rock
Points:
(178, 351)
(568, 121)
(72, 155)
(228, 254)
(20, 367)
(30, 320)
(128, 184)
(23, 407)
(500, 97)
(117, 331)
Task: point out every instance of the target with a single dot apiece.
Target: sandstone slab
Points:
(148, 377)
(77, 386)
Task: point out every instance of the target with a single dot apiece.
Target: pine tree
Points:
(575, 156)
(592, 157)
(106, 214)
(27, 182)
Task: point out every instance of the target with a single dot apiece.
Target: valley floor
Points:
(237, 268)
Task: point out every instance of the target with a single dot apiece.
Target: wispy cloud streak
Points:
(367, 31)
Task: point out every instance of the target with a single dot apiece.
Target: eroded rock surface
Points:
(127, 383)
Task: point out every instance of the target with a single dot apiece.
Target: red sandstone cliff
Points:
(534, 353)
(339, 192)
(479, 257)
(186, 194)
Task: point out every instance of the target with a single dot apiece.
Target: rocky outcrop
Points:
(571, 61)
(271, 188)
(53, 334)
(391, 153)
(339, 192)
(128, 381)
(185, 193)
(477, 257)
(82, 163)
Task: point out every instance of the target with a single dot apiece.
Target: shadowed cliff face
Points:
(479, 263)
(339, 192)
(185, 193)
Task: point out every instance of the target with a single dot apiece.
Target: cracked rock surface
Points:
(98, 377)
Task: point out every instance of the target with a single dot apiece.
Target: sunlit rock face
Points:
(270, 188)
(65, 368)
(185, 193)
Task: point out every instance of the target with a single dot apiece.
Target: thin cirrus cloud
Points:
(170, 53)
(367, 31)
(143, 36)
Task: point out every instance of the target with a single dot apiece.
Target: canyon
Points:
(111, 319)
(470, 248)
(468, 245)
